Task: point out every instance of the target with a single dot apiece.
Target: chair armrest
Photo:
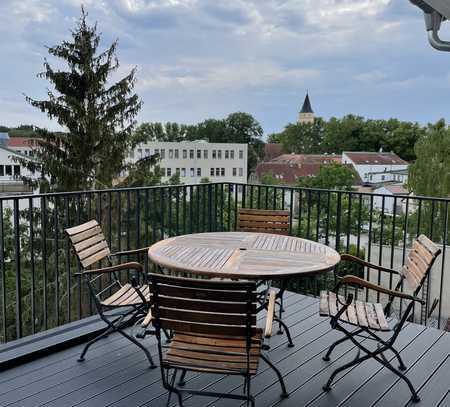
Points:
(363, 283)
(124, 266)
(147, 320)
(130, 252)
(354, 259)
(270, 314)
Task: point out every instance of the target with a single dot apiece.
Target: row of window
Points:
(175, 153)
(9, 170)
(214, 172)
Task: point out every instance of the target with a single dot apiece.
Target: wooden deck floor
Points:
(115, 372)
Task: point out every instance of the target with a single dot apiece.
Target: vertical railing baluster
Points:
(444, 247)
(79, 280)
(44, 260)
(56, 236)
(369, 242)
(391, 264)
(380, 250)
(318, 216)
(32, 266)
(3, 274)
(291, 210)
(67, 262)
(18, 270)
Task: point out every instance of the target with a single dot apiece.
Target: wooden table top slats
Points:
(243, 255)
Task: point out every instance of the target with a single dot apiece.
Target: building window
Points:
(17, 170)
(157, 151)
(199, 154)
(2, 170)
(140, 152)
(169, 172)
(226, 155)
(162, 172)
(170, 153)
(241, 154)
(176, 153)
(8, 170)
(241, 172)
(222, 172)
(234, 172)
(147, 152)
(232, 154)
(205, 154)
(217, 172)
(192, 172)
(199, 172)
(163, 153)
(211, 171)
(219, 154)
(183, 172)
(177, 171)
(184, 153)
(382, 178)
(214, 154)
(191, 154)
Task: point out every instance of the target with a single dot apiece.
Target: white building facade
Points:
(194, 160)
(377, 168)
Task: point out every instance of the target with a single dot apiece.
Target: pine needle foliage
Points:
(98, 115)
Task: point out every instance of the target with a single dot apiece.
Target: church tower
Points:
(306, 114)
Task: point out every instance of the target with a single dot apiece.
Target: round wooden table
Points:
(243, 255)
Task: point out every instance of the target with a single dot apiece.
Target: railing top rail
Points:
(285, 187)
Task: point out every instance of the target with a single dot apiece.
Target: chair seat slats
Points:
(217, 355)
(126, 295)
(358, 313)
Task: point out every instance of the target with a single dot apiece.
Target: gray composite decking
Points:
(115, 372)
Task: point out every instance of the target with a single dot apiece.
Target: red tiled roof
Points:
(397, 189)
(20, 142)
(301, 159)
(374, 158)
(287, 173)
(272, 150)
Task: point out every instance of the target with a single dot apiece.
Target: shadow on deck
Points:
(116, 372)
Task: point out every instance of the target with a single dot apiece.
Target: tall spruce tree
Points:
(97, 116)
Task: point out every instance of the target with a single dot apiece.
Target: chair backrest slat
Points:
(88, 242)
(419, 262)
(204, 307)
(263, 221)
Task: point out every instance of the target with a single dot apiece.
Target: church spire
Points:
(306, 113)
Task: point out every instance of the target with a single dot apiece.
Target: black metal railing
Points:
(38, 288)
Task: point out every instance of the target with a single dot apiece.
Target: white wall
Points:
(382, 171)
(196, 159)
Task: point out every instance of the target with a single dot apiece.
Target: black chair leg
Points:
(286, 329)
(353, 362)
(401, 365)
(414, 396)
(284, 393)
(147, 353)
(104, 334)
(182, 382)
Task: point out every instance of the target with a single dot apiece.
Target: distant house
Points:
(11, 172)
(390, 201)
(22, 145)
(288, 168)
(377, 168)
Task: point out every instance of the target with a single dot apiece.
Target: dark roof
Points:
(300, 159)
(306, 108)
(374, 158)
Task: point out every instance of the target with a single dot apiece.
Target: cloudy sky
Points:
(199, 59)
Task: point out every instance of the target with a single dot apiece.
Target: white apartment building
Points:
(377, 168)
(194, 160)
(11, 171)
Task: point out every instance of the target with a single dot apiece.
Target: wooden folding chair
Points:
(268, 221)
(132, 299)
(214, 331)
(373, 317)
